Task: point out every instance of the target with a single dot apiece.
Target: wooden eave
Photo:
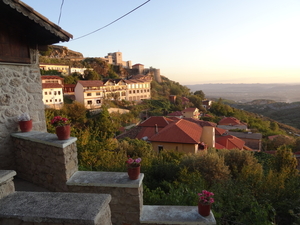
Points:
(37, 28)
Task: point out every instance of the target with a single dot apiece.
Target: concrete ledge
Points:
(44, 138)
(58, 208)
(104, 179)
(158, 214)
(6, 175)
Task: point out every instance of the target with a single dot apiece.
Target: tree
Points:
(196, 100)
(91, 75)
(200, 93)
(274, 126)
(285, 161)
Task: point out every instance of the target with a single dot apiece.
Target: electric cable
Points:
(111, 22)
(61, 6)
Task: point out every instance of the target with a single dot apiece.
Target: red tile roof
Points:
(69, 85)
(91, 83)
(181, 131)
(147, 132)
(51, 85)
(177, 113)
(189, 110)
(201, 123)
(230, 142)
(152, 121)
(229, 121)
(219, 131)
(46, 77)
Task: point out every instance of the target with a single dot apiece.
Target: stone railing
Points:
(44, 160)
(127, 195)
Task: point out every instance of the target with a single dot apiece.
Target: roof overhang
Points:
(37, 28)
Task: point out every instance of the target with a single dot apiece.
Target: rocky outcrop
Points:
(63, 52)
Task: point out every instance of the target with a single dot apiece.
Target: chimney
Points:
(208, 136)
(156, 129)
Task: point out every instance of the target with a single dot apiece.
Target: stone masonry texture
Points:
(20, 92)
(45, 165)
(126, 203)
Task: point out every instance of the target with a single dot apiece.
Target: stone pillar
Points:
(44, 160)
(127, 195)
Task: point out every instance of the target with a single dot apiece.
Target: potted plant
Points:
(25, 123)
(133, 168)
(62, 127)
(204, 202)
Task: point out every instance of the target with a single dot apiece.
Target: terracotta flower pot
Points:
(134, 172)
(25, 126)
(63, 132)
(204, 209)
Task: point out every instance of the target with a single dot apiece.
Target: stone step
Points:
(174, 215)
(55, 208)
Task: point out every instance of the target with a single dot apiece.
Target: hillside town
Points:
(128, 146)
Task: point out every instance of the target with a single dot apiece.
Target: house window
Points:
(59, 100)
(49, 92)
(46, 100)
(133, 91)
(50, 100)
(58, 92)
(89, 102)
(46, 93)
(137, 91)
(55, 100)
(129, 92)
(54, 92)
(160, 148)
(97, 93)
(89, 94)
(98, 101)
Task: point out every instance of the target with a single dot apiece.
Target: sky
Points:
(190, 41)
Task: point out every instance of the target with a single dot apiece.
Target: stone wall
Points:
(7, 186)
(126, 195)
(44, 160)
(20, 92)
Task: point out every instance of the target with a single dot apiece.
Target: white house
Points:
(91, 93)
(52, 91)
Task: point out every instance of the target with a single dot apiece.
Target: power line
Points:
(111, 22)
(61, 6)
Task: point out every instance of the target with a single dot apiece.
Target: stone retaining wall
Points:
(44, 160)
(20, 92)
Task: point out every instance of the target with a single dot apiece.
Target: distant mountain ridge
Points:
(286, 113)
(248, 92)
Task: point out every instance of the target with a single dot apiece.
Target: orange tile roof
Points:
(230, 142)
(177, 113)
(91, 83)
(189, 110)
(152, 121)
(147, 132)
(181, 131)
(219, 131)
(51, 85)
(201, 123)
(229, 121)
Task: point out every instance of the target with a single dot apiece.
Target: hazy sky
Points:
(190, 41)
